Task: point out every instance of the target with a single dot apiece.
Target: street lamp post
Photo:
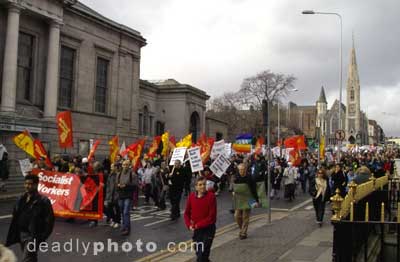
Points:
(311, 12)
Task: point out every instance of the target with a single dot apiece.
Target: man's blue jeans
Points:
(125, 205)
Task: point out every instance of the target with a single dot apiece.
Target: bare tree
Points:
(266, 85)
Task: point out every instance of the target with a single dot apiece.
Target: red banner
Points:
(64, 124)
(40, 152)
(296, 142)
(72, 195)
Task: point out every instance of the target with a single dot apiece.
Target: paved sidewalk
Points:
(316, 247)
(292, 237)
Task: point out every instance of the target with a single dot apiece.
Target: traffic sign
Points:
(340, 135)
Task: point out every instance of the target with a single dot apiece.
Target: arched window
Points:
(194, 126)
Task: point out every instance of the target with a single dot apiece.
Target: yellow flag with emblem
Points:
(24, 141)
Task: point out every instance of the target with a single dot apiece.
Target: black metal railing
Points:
(367, 222)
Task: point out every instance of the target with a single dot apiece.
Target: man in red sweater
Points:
(200, 217)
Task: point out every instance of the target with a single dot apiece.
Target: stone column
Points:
(51, 90)
(9, 81)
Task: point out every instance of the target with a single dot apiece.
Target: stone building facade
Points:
(61, 55)
(302, 118)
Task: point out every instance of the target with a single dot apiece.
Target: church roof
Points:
(322, 97)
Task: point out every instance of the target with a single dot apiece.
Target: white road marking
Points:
(6, 216)
(300, 205)
(138, 217)
(309, 207)
(157, 222)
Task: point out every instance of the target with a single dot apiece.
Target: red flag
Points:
(134, 153)
(172, 142)
(296, 142)
(205, 154)
(64, 123)
(114, 148)
(40, 152)
(154, 147)
(260, 142)
(91, 154)
(295, 157)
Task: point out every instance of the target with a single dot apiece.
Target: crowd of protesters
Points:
(159, 182)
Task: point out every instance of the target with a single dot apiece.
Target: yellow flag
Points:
(25, 142)
(185, 142)
(165, 142)
(114, 148)
(322, 148)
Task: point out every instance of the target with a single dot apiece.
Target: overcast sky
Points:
(215, 44)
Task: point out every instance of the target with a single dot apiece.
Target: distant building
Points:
(302, 118)
(216, 128)
(375, 133)
(353, 121)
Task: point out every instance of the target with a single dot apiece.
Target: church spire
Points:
(322, 97)
(353, 69)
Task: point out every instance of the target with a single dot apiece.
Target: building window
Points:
(145, 120)
(141, 124)
(67, 60)
(160, 127)
(101, 85)
(25, 63)
(151, 125)
(83, 149)
(352, 95)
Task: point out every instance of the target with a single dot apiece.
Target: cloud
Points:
(214, 45)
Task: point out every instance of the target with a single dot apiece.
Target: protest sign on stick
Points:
(178, 154)
(195, 159)
(220, 165)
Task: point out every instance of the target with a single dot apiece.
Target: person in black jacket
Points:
(176, 180)
(4, 171)
(126, 183)
(339, 180)
(32, 221)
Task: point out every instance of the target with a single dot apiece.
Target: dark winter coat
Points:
(36, 218)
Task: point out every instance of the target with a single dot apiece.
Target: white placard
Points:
(276, 151)
(2, 151)
(218, 148)
(228, 149)
(195, 159)
(397, 163)
(220, 165)
(287, 153)
(178, 154)
(25, 165)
